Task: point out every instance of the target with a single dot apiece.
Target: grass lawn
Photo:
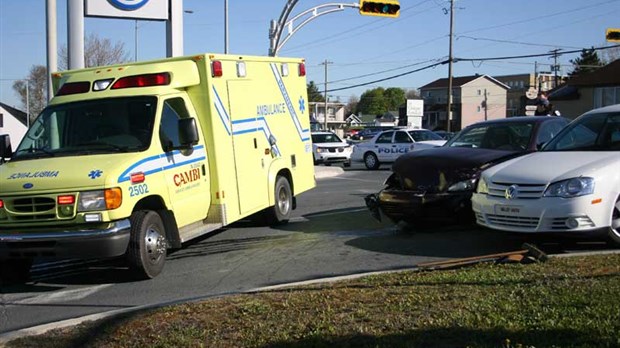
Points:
(565, 302)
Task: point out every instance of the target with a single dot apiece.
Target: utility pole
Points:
(449, 107)
(226, 26)
(326, 63)
(555, 66)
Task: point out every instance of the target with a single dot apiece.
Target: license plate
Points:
(507, 209)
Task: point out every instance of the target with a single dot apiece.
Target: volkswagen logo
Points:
(512, 192)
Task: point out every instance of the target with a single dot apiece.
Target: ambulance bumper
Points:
(109, 241)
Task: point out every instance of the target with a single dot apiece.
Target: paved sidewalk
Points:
(321, 172)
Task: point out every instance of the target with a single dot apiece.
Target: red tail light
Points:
(74, 88)
(1, 204)
(159, 79)
(216, 68)
(67, 199)
(302, 69)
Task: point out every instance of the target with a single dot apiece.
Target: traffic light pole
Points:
(275, 31)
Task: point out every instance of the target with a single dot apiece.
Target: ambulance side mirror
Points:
(5, 147)
(188, 132)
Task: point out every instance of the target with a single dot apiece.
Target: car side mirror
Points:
(188, 132)
(5, 147)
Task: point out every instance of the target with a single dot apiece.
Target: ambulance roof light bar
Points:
(146, 80)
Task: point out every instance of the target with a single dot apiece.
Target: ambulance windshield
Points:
(90, 127)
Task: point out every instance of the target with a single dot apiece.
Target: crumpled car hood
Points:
(434, 170)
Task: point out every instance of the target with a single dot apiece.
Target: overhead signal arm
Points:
(386, 8)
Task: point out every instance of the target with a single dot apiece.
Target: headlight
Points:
(482, 186)
(319, 149)
(574, 187)
(466, 185)
(100, 200)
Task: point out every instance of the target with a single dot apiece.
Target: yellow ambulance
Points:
(139, 158)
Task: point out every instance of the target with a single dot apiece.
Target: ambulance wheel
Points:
(15, 271)
(280, 213)
(146, 253)
(371, 161)
(614, 227)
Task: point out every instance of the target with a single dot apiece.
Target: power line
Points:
(455, 60)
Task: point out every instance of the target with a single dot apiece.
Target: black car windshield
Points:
(594, 132)
(102, 126)
(513, 136)
(424, 135)
(325, 138)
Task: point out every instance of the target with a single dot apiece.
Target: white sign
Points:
(415, 107)
(133, 9)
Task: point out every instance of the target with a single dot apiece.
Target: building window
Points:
(478, 108)
(1, 120)
(606, 96)
(479, 92)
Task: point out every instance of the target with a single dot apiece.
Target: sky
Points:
(359, 49)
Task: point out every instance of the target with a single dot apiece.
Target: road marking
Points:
(62, 296)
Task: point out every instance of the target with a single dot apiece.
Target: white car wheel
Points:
(614, 227)
(371, 161)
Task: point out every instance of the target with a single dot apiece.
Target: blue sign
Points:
(128, 5)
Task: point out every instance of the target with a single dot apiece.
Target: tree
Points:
(394, 98)
(313, 93)
(372, 102)
(32, 91)
(351, 106)
(587, 62)
(97, 52)
(412, 94)
(611, 54)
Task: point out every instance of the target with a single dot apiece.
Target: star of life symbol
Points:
(511, 192)
(94, 174)
(302, 104)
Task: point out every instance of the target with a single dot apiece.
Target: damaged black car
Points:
(435, 185)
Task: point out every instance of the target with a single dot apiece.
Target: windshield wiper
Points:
(106, 146)
(35, 152)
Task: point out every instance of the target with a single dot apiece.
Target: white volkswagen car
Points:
(328, 148)
(571, 186)
(386, 146)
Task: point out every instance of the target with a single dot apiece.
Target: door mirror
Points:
(5, 147)
(188, 132)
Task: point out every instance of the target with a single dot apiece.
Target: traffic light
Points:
(612, 35)
(385, 8)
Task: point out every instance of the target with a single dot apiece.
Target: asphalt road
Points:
(330, 234)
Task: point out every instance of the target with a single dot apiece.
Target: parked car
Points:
(571, 187)
(445, 134)
(387, 146)
(328, 148)
(437, 184)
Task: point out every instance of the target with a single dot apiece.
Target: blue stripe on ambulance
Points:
(162, 162)
(221, 110)
(304, 134)
(243, 126)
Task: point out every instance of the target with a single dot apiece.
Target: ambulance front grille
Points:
(33, 209)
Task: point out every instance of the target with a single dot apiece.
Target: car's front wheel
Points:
(614, 227)
(371, 161)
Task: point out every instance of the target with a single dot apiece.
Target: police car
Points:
(386, 146)
(328, 148)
